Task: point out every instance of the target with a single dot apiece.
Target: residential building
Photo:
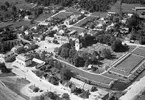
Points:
(62, 39)
(22, 61)
(39, 62)
(10, 56)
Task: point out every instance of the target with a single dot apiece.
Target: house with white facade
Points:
(22, 61)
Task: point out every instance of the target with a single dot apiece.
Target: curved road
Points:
(101, 80)
(22, 39)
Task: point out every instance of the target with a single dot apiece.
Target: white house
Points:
(77, 44)
(10, 56)
(22, 61)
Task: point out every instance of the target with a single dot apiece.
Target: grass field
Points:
(8, 94)
(85, 21)
(129, 63)
(42, 17)
(7, 74)
(79, 30)
(23, 23)
(100, 14)
(17, 3)
(139, 51)
(62, 15)
(15, 85)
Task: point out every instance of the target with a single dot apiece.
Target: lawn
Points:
(84, 21)
(7, 74)
(42, 17)
(18, 3)
(16, 86)
(139, 51)
(8, 94)
(100, 14)
(130, 63)
(79, 30)
(23, 23)
(62, 15)
(73, 10)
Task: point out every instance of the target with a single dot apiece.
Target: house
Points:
(100, 94)
(39, 62)
(18, 49)
(80, 84)
(10, 56)
(2, 59)
(61, 39)
(22, 61)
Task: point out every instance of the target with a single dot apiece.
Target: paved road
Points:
(22, 39)
(43, 84)
(98, 79)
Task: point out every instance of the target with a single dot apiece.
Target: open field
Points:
(139, 51)
(15, 85)
(7, 74)
(7, 94)
(79, 30)
(84, 21)
(73, 10)
(62, 15)
(100, 14)
(23, 23)
(42, 17)
(129, 63)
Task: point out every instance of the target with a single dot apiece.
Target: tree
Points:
(65, 96)
(3, 68)
(51, 95)
(53, 80)
(72, 52)
(66, 74)
(117, 45)
(85, 94)
(78, 61)
(7, 4)
(133, 21)
(14, 8)
(64, 52)
(106, 53)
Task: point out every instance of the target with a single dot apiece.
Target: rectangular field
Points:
(139, 51)
(130, 63)
(79, 24)
(62, 15)
(79, 30)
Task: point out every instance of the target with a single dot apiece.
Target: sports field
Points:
(62, 15)
(139, 51)
(84, 21)
(131, 62)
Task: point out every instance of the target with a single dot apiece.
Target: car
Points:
(132, 41)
